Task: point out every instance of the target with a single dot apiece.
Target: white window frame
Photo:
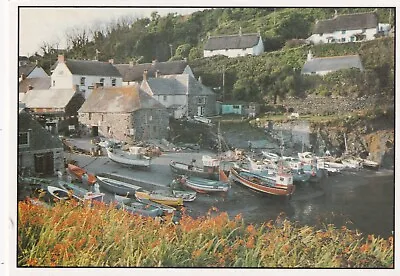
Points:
(27, 139)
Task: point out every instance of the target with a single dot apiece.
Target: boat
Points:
(202, 185)
(35, 182)
(128, 159)
(159, 198)
(80, 192)
(270, 155)
(185, 195)
(280, 184)
(78, 172)
(62, 194)
(180, 168)
(352, 163)
(117, 187)
(135, 207)
(369, 164)
(166, 209)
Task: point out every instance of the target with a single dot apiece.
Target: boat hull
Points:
(166, 200)
(179, 168)
(129, 160)
(202, 185)
(78, 172)
(116, 186)
(278, 191)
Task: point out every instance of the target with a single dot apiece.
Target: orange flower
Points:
(364, 248)
(32, 262)
(250, 242)
(196, 253)
(251, 230)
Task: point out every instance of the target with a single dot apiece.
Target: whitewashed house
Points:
(234, 45)
(346, 28)
(84, 75)
(324, 65)
(182, 95)
(133, 73)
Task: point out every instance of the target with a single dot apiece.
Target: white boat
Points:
(270, 155)
(128, 159)
(117, 187)
(185, 195)
(352, 163)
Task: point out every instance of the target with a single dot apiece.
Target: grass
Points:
(99, 235)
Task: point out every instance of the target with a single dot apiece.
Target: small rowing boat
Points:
(78, 172)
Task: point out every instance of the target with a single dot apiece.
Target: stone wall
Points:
(339, 105)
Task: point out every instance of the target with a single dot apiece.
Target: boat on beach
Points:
(166, 209)
(186, 196)
(136, 207)
(159, 198)
(78, 172)
(79, 191)
(128, 159)
(117, 187)
(280, 184)
(180, 168)
(62, 194)
(202, 185)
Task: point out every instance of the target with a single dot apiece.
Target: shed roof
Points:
(332, 64)
(124, 99)
(135, 72)
(347, 22)
(232, 42)
(36, 83)
(49, 98)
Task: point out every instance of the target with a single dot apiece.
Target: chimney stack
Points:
(145, 75)
(61, 59)
(36, 62)
(23, 76)
(240, 31)
(154, 62)
(200, 81)
(131, 63)
(111, 61)
(309, 55)
(157, 73)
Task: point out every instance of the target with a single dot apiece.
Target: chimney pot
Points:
(145, 75)
(61, 59)
(157, 73)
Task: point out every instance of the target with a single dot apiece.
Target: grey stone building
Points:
(124, 113)
(39, 152)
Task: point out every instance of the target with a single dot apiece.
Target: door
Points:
(95, 131)
(200, 110)
(44, 163)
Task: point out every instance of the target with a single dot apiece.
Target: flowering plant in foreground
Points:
(99, 235)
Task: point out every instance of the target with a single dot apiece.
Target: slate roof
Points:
(89, 68)
(178, 85)
(36, 83)
(26, 69)
(232, 42)
(124, 99)
(40, 138)
(50, 98)
(332, 64)
(135, 72)
(347, 22)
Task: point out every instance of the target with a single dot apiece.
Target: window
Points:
(54, 83)
(102, 117)
(343, 31)
(201, 100)
(113, 82)
(90, 115)
(83, 81)
(235, 107)
(165, 98)
(23, 139)
(102, 81)
(352, 38)
(343, 39)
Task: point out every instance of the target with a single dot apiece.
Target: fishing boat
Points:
(166, 209)
(117, 187)
(185, 195)
(202, 185)
(180, 168)
(78, 172)
(280, 184)
(128, 159)
(80, 192)
(135, 207)
(159, 198)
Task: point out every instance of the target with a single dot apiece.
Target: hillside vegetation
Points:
(268, 78)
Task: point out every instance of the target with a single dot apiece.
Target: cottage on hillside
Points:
(133, 73)
(324, 65)
(124, 113)
(182, 95)
(56, 109)
(234, 45)
(84, 75)
(346, 28)
(39, 152)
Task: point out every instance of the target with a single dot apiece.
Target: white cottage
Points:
(84, 75)
(234, 45)
(345, 28)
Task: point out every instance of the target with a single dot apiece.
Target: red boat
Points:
(78, 172)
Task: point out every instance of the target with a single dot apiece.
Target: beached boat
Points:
(79, 191)
(185, 195)
(78, 172)
(135, 207)
(62, 194)
(369, 164)
(280, 184)
(352, 163)
(128, 159)
(180, 168)
(202, 185)
(270, 155)
(166, 209)
(117, 187)
(159, 198)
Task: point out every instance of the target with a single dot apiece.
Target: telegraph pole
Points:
(223, 83)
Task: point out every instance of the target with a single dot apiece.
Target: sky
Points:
(41, 24)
